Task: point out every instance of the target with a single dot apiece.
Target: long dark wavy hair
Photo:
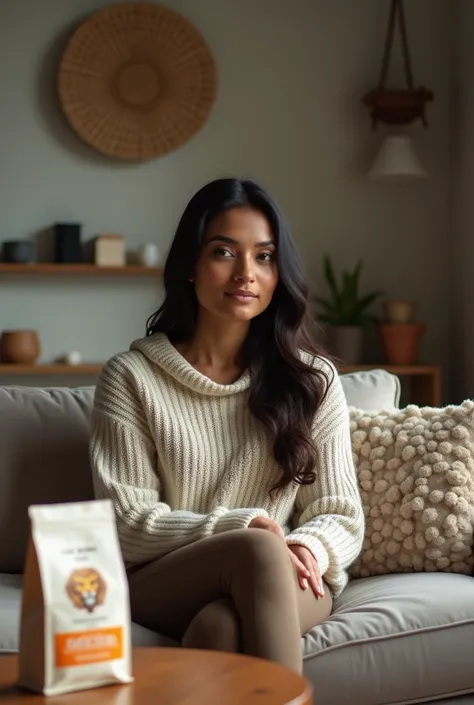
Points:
(286, 389)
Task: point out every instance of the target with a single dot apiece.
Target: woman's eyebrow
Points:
(230, 241)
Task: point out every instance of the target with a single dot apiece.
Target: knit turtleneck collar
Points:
(158, 350)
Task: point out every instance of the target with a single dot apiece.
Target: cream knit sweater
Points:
(182, 458)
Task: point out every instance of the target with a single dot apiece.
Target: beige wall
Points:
(288, 112)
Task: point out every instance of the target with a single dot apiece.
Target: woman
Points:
(223, 440)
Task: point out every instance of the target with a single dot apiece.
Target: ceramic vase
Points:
(399, 311)
(345, 343)
(19, 347)
(149, 255)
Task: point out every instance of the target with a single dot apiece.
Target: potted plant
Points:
(345, 312)
(401, 335)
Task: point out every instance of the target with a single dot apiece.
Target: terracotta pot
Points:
(19, 347)
(399, 311)
(401, 342)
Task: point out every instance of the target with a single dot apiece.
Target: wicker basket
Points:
(136, 81)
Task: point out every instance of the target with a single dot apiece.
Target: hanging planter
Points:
(402, 106)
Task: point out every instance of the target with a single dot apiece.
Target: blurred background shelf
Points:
(80, 269)
(411, 370)
(50, 369)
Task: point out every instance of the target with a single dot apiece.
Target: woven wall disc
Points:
(136, 80)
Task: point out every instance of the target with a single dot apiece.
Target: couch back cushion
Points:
(372, 390)
(44, 454)
(43, 458)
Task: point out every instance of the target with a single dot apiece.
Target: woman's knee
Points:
(216, 626)
(261, 549)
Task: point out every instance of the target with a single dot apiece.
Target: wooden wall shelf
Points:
(411, 370)
(51, 369)
(80, 269)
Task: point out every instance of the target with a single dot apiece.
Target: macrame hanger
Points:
(396, 12)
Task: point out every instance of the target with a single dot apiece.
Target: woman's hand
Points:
(267, 525)
(307, 568)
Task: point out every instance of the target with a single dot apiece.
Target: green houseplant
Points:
(345, 311)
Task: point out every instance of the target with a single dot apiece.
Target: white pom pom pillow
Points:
(416, 476)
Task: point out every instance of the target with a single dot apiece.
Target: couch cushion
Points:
(395, 639)
(416, 474)
(44, 457)
(371, 390)
(10, 606)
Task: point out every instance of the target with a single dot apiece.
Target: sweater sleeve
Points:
(125, 470)
(329, 513)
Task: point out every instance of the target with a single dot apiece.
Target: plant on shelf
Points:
(401, 336)
(345, 311)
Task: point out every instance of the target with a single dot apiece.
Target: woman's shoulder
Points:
(123, 364)
(128, 377)
(141, 355)
(132, 367)
(320, 363)
(333, 400)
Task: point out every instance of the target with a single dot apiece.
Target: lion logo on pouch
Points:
(86, 589)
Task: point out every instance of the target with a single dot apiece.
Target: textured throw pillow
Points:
(416, 476)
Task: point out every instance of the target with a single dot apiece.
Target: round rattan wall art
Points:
(136, 81)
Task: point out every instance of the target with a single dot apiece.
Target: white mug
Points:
(149, 255)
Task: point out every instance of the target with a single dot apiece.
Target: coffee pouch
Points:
(75, 628)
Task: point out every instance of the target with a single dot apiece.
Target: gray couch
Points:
(391, 639)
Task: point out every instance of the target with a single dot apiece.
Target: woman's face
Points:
(236, 272)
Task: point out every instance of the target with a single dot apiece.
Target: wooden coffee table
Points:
(179, 677)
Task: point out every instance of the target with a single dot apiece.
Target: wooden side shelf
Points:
(80, 269)
(425, 380)
(52, 369)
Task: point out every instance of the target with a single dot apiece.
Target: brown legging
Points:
(237, 591)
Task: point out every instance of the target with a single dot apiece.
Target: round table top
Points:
(179, 677)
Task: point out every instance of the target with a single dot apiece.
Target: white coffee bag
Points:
(75, 620)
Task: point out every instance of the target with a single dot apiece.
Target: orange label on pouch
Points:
(82, 648)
